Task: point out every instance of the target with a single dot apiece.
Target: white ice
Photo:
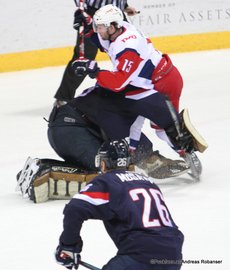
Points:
(29, 232)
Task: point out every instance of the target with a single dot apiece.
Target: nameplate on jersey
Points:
(129, 176)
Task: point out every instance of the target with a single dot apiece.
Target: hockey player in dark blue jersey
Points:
(134, 214)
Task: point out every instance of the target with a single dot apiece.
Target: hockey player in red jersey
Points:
(67, 89)
(146, 78)
(134, 214)
(140, 72)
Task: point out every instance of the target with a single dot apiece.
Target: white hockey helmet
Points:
(107, 15)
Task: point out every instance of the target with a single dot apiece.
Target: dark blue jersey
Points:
(134, 214)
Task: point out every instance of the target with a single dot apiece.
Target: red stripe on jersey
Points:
(135, 92)
(118, 80)
(97, 195)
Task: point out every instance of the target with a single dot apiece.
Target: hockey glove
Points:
(83, 67)
(82, 18)
(68, 256)
(183, 142)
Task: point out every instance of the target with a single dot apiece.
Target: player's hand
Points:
(184, 142)
(68, 256)
(83, 67)
(81, 18)
(132, 154)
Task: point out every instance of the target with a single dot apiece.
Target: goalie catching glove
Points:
(83, 67)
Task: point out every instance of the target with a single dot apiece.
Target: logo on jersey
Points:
(64, 169)
(130, 37)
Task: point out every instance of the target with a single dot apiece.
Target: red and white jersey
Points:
(134, 60)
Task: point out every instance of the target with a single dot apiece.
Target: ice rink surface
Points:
(29, 232)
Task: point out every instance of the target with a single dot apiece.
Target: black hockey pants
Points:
(73, 138)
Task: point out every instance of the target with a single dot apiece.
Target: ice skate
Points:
(25, 176)
(195, 165)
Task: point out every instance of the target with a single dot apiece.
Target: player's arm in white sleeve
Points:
(135, 132)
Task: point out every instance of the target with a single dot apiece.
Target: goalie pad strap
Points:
(67, 176)
(41, 180)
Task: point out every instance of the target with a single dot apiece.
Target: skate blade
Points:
(29, 170)
(23, 173)
(195, 166)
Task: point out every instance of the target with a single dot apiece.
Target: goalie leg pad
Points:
(39, 190)
(53, 180)
(59, 185)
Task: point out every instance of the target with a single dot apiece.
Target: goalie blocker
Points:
(44, 179)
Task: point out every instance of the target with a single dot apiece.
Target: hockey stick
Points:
(81, 33)
(174, 117)
(89, 266)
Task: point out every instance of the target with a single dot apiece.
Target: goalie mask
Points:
(115, 154)
(106, 15)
